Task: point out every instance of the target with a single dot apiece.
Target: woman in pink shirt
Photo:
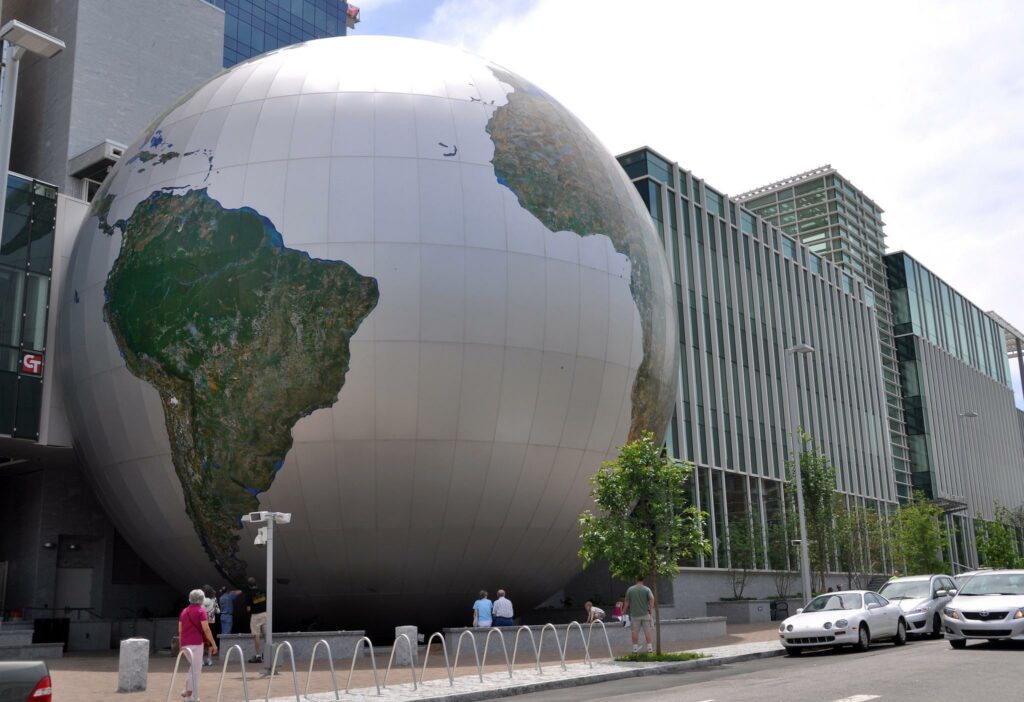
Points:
(193, 632)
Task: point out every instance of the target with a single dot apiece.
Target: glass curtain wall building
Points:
(839, 222)
(252, 27)
(745, 292)
(26, 261)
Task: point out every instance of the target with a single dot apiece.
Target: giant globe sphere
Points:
(385, 286)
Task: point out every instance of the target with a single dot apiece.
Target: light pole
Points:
(17, 39)
(805, 558)
(265, 536)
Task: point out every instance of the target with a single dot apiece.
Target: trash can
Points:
(779, 609)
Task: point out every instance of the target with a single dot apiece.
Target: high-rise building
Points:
(254, 26)
(834, 219)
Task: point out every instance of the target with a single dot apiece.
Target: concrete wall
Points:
(126, 62)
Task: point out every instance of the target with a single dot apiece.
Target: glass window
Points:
(37, 291)
(12, 302)
(788, 248)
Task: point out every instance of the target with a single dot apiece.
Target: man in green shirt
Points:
(639, 605)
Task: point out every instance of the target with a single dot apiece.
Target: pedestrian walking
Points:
(639, 605)
(212, 609)
(482, 610)
(594, 614)
(258, 621)
(226, 602)
(503, 612)
(193, 634)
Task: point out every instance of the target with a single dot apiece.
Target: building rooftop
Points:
(1013, 334)
(827, 169)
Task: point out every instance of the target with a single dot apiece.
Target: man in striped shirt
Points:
(503, 610)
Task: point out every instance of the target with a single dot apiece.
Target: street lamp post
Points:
(805, 558)
(17, 39)
(265, 536)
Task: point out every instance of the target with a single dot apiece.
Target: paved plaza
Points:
(93, 678)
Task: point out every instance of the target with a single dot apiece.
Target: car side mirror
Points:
(940, 593)
(952, 593)
(799, 610)
(873, 605)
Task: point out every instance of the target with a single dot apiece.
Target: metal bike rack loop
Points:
(583, 640)
(412, 660)
(224, 672)
(373, 663)
(476, 654)
(444, 649)
(330, 661)
(533, 642)
(558, 644)
(504, 648)
(273, 669)
(606, 639)
(177, 661)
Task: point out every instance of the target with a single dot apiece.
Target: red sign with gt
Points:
(32, 363)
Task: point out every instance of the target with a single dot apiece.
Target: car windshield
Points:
(906, 590)
(838, 600)
(994, 584)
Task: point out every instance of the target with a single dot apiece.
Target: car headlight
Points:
(782, 626)
(789, 627)
(842, 623)
(919, 610)
(1019, 614)
(952, 613)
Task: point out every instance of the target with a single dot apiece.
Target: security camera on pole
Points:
(265, 536)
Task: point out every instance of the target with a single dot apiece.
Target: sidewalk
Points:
(93, 677)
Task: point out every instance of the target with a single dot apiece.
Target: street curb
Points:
(648, 669)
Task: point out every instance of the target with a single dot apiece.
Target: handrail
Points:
(476, 654)
(558, 644)
(487, 642)
(412, 661)
(330, 661)
(444, 649)
(533, 642)
(273, 669)
(373, 663)
(586, 644)
(224, 672)
(183, 651)
(606, 639)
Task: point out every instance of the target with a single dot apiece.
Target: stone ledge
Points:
(342, 644)
(29, 652)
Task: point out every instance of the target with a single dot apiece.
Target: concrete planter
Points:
(748, 611)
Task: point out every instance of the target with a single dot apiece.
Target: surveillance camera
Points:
(261, 537)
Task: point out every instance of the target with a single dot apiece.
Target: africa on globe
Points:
(381, 284)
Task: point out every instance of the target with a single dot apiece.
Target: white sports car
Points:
(848, 618)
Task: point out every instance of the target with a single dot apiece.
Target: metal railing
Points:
(608, 641)
(273, 669)
(412, 660)
(533, 642)
(224, 672)
(504, 648)
(444, 649)
(583, 640)
(558, 644)
(373, 664)
(476, 654)
(330, 661)
(177, 661)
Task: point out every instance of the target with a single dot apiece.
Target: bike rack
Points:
(273, 669)
(606, 639)
(312, 660)
(412, 660)
(373, 662)
(533, 642)
(558, 644)
(224, 672)
(476, 654)
(501, 636)
(177, 661)
(444, 648)
(586, 644)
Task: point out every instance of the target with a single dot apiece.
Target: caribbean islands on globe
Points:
(383, 285)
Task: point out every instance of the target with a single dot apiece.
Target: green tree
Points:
(783, 555)
(861, 542)
(918, 535)
(742, 551)
(642, 523)
(997, 540)
(818, 476)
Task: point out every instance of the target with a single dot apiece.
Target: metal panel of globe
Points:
(381, 284)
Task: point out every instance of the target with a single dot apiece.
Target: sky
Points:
(919, 104)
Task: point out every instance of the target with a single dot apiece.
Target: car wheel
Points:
(936, 627)
(863, 639)
(901, 633)
(958, 643)
(793, 651)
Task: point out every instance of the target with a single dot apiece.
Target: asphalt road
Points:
(929, 671)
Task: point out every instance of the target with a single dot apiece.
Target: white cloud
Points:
(920, 104)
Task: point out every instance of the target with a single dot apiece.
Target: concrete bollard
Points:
(133, 665)
(403, 653)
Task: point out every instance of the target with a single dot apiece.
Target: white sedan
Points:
(848, 618)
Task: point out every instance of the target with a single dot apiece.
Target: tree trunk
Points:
(656, 613)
